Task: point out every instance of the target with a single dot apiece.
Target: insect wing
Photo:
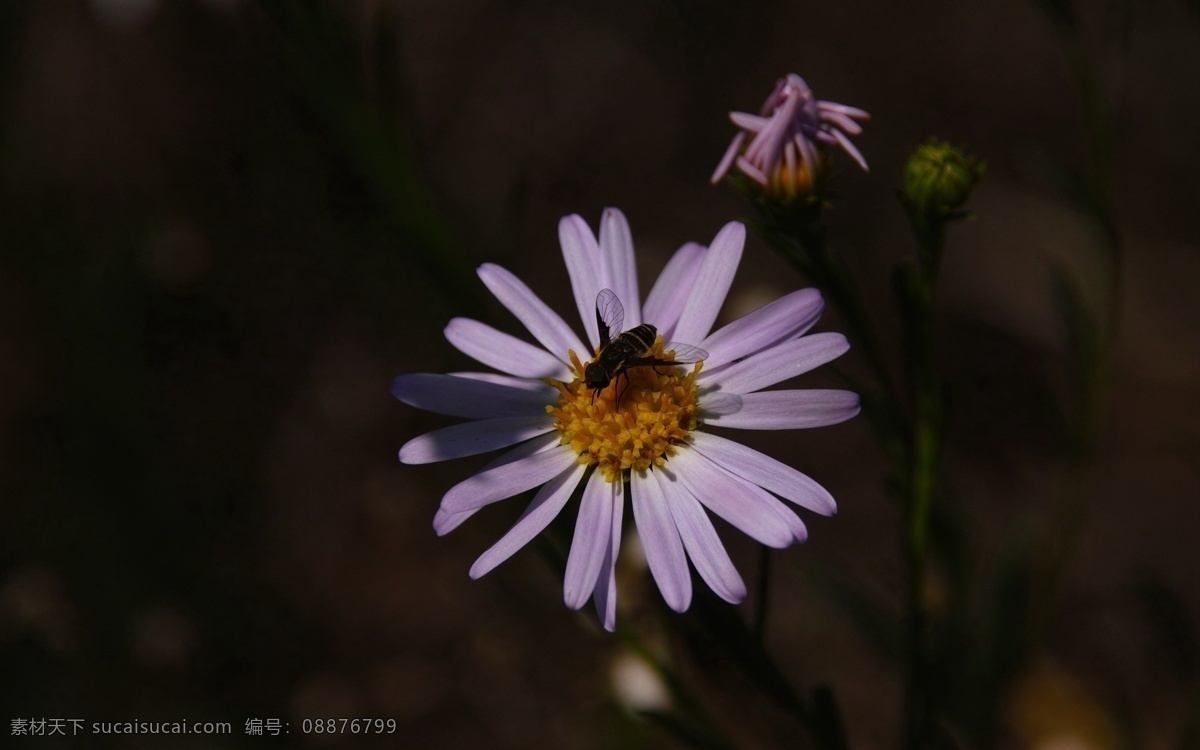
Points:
(610, 315)
(685, 354)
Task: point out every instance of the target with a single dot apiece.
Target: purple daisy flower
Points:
(783, 151)
(645, 432)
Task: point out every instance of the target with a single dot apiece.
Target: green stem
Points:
(916, 288)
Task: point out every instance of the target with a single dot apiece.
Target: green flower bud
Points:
(939, 177)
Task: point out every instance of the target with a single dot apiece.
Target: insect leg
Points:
(621, 393)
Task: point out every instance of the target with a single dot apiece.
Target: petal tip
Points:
(397, 388)
(575, 600)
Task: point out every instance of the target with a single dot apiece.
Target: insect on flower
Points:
(633, 348)
(567, 439)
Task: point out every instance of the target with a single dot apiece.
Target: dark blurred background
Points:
(226, 225)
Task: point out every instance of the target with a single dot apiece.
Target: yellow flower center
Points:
(789, 184)
(628, 424)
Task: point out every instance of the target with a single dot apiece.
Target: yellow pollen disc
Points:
(657, 410)
(789, 184)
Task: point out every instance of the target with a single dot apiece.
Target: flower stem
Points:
(915, 288)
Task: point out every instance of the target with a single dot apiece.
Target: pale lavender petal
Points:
(464, 397)
(851, 150)
(700, 540)
(727, 159)
(503, 482)
(716, 403)
(593, 537)
(660, 541)
(826, 136)
(785, 318)
(712, 284)
(544, 508)
(855, 112)
(764, 471)
(543, 323)
(733, 499)
(444, 522)
(780, 362)
(605, 593)
(616, 245)
(748, 122)
(764, 150)
(790, 410)
(522, 384)
(807, 151)
(588, 272)
(751, 170)
(473, 438)
(524, 450)
(842, 121)
(506, 353)
(672, 289)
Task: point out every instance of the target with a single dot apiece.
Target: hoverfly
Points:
(628, 349)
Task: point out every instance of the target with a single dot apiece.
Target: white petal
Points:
(473, 438)
(444, 522)
(543, 323)
(672, 289)
(743, 505)
(700, 540)
(522, 384)
(765, 471)
(790, 410)
(464, 397)
(593, 537)
(785, 318)
(712, 284)
(779, 363)
(587, 270)
(605, 592)
(616, 245)
(544, 508)
(506, 353)
(503, 482)
(661, 542)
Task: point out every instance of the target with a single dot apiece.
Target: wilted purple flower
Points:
(650, 439)
(785, 141)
